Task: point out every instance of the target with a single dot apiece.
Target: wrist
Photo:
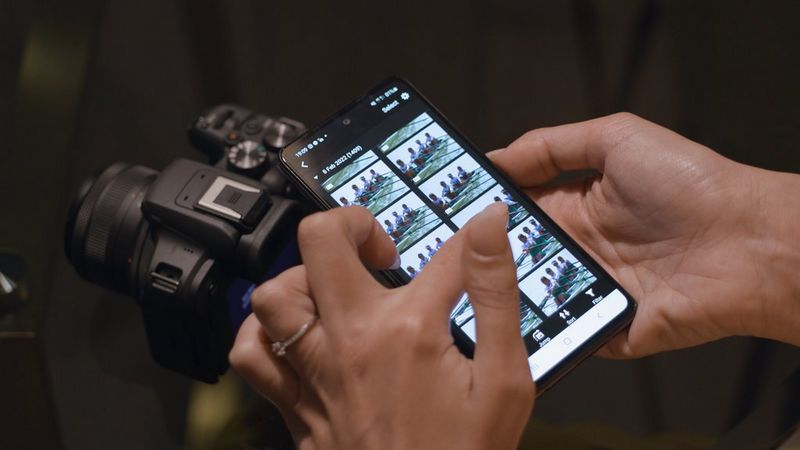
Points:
(775, 246)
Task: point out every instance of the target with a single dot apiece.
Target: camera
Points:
(190, 242)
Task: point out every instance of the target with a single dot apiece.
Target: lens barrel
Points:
(105, 228)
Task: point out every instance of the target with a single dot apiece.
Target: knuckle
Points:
(315, 227)
(533, 141)
(250, 366)
(411, 325)
(619, 127)
(625, 116)
(415, 330)
(241, 355)
(265, 296)
(532, 135)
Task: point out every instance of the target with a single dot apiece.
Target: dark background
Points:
(86, 83)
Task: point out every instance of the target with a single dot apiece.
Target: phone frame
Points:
(585, 349)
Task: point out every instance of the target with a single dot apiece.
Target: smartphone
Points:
(394, 153)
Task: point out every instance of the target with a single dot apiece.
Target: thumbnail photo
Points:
(375, 188)
(516, 212)
(407, 220)
(418, 255)
(556, 282)
(349, 171)
(408, 130)
(457, 184)
(531, 245)
(425, 153)
(528, 320)
(469, 329)
(463, 313)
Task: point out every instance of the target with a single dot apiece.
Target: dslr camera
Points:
(190, 242)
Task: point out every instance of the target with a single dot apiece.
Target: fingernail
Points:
(396, 264)
(495, 152)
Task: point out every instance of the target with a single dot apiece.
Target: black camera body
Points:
(179, 240)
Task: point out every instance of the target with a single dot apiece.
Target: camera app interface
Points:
(422, 185)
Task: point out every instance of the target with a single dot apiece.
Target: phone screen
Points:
(393, 153)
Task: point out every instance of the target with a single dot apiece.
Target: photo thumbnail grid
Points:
(425, 153)
(417, 256)
(531, 245)
(407, 220)
(516, 212)
(453, 180)
(555, 283)
(374, 188)
(463, 316)
(349, 171)
(405, 132)
(457, 184)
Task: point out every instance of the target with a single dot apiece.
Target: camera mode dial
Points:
(243, 141)
(248, 158)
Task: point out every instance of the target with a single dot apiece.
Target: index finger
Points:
(441, 284)
(335, 246)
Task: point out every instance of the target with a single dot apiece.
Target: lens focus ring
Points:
(105, 215)
(84, 213)
(101, 216)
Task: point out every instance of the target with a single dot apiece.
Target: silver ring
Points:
(279, 348)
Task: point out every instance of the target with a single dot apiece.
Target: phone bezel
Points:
(569, 362)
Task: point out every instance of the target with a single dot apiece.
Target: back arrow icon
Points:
(303, 164)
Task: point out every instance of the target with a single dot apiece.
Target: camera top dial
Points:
(248, 157)
(243, 141)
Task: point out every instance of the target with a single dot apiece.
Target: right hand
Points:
(379, 368)
(708, 247)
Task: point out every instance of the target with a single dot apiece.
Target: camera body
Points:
(189, 243)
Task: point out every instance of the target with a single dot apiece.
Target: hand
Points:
(706, 245)
(379, 368)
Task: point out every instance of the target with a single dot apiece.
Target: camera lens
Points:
(105, 227)
(346, 121)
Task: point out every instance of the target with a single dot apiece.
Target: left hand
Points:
(707, 246)
(379, 368)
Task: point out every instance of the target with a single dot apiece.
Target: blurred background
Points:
(87, 83)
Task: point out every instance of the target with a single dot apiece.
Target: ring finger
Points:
(284, 307)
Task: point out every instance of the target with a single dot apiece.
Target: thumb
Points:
(491, 284)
